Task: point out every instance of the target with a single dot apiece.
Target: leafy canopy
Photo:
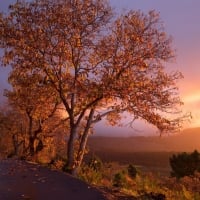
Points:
(93, 60)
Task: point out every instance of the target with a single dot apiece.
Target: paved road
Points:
(20, 180)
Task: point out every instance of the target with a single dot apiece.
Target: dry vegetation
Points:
(117, 182)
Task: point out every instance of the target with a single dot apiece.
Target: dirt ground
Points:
(20, 180)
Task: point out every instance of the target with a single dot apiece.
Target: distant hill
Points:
(188, 140)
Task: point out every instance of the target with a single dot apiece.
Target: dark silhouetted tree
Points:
(185, 164)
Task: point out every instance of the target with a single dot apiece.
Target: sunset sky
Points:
(181, 20)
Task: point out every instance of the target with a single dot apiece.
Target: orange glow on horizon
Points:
(193, 97)
(192, 104)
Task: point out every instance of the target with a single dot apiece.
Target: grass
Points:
(145, 185)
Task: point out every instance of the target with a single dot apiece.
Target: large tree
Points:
(100, 65)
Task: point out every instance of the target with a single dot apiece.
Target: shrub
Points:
(185, 164)
(95, 164)
(132, 171)
(119, 179)
(58, 163)
(92, 171)
(90, 175)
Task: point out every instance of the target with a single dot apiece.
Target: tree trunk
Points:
(70, 165)
(15, 144)
(31, 146)
(82, 147)
(31, 138)
(74, 159)
(84, 140)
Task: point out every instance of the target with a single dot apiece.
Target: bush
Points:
(132, 171)
(90, 175)
(119, 179)
(92, 171)
(95, 164)
(185, 164)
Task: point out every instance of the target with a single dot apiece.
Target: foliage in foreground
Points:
(142, 185)
(185, 164)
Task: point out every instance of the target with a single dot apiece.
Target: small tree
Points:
(98, 65)
(7, 144)
(95, 163)
(37, 104)
(132, 171)
(119, 179)
(185, 164)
